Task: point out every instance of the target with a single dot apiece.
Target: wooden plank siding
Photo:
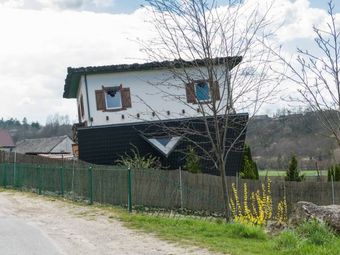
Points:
(104, 145)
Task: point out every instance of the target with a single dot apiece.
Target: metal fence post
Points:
(16, 173)
(15, 176)
(22, 175)
(236, 187)
(333, 193)
(5, 176)
(129, 191)
(90, 185)
(61, 172)
(39, 180)
(180, 187)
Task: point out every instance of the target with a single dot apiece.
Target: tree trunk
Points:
(225, 191)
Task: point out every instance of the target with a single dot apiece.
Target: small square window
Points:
(202, 91)
(113, 100)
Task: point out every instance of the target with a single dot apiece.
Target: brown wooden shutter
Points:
(100, 100)
(190, 92)
(82, 106)
(79, 114)
(126, 98)
(216, 91)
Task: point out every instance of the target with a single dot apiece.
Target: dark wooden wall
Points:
(105, 144)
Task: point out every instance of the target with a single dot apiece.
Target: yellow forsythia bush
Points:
(257, 207)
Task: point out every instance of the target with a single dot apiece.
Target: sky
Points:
(39, 39)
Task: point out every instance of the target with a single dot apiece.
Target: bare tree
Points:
(221, 67)
(316, 73)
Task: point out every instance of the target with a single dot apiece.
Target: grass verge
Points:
(215, 236)
(237, 239)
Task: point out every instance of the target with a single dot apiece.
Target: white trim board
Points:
(165, 149)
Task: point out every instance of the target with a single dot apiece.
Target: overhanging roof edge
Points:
(74, 74)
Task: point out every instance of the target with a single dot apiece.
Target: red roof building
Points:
(6, 141)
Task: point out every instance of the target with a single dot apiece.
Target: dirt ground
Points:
(76, 229)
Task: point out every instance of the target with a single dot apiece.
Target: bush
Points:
(334, 173)
(315, 232)
(192, 163)
(257, 206)
(287, 240)
(311, 237)
(247, 231)
(249, 168)
(136, 161)
(293, 174)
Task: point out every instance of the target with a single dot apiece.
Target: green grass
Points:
(307, 173)
(219, 237)
(308, 238)
(236, 239)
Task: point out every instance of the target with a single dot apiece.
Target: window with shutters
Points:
(201, 92)
(114, 98)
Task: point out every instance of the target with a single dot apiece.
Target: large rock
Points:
(329, 214)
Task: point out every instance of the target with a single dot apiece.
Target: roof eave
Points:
(74, 74)
(71, 85)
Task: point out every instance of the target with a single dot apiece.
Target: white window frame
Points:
(120, 98)
(167, 149)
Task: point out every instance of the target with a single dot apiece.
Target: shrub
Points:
(247, 231)
(334, 173)
(293, 174)
(136, 161)
(315, 232)
(249, 168)
(287, 240)
(281, 213)
(257, 207)
(311, 237)
(192, 163)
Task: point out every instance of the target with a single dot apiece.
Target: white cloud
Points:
(299, 19)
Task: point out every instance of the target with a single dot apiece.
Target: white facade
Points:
(151, 98)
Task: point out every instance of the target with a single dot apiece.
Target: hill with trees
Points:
(274, 140)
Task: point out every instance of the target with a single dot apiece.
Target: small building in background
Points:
(6, 141)
(59, 147)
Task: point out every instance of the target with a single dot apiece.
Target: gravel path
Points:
(75, 229)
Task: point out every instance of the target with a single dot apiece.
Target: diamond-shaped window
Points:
(164, 144)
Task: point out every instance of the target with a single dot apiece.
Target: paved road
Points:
(19, 238)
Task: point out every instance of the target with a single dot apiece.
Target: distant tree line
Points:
(14, 123)
(56, 125)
